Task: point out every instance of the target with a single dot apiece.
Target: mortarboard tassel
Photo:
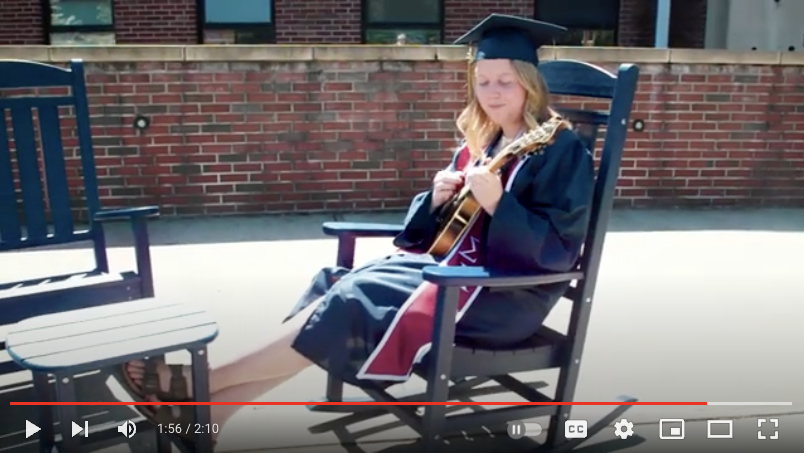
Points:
(470, 58)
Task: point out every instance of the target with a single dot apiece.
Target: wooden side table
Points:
(65, 344)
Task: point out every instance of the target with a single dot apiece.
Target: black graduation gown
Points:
(539, 226)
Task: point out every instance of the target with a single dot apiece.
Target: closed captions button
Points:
(575, 429)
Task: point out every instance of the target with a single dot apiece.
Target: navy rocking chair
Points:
(38, 200)
(466, 367)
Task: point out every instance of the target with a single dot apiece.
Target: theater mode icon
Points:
(719, 429)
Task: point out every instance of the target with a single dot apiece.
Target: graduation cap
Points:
(501, 36)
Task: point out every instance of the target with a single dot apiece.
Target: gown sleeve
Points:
(420, 225)
(544, 228)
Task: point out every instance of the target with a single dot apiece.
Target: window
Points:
(408, 21)
(590, 22)
(237, 22)
(80, 22)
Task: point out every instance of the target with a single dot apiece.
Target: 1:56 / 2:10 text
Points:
(195, 428)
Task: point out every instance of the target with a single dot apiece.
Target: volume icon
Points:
(128, 429)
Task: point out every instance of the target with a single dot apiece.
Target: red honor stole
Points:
(409, 337)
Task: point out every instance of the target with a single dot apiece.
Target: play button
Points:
(30, 429)
(77, 428)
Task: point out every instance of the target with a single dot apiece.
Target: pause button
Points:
(520, 429)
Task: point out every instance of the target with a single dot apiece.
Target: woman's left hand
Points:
(485, 186)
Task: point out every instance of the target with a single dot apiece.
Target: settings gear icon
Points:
(623, 429)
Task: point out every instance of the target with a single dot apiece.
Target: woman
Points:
(371, 323)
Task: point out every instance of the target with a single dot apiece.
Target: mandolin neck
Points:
(499, 160)
(511, 151)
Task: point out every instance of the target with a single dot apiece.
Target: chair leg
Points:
(433, 427)
(202, 413)
(555, 434)
(43, 393)
(163, 440)
(334, 388)
(65, 391)
(435, 415)
(335, 395)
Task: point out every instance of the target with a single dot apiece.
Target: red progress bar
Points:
(364, 403)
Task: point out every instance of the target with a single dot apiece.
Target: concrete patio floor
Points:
(690, 306)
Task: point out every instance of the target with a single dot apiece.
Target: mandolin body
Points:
(458, 214)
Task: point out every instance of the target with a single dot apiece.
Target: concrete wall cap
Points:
(358, 52)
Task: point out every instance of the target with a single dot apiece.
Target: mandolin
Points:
(458, 213)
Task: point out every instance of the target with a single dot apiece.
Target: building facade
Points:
(627, 23)
(742, 25)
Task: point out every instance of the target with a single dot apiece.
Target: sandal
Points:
(177, 391)
(179, 418)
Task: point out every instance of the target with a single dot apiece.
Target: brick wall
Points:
(21, 22)
(335, 21)
(318, 21)
(637, 27)
(637, 23)
(461, 15)
(237, 131)
(155, 22)
(688, 24)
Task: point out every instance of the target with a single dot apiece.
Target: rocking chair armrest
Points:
(361, 230)
(138, 218)
(478, 276)
(127, 213)
(348, 232)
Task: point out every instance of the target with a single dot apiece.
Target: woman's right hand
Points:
(445, 185)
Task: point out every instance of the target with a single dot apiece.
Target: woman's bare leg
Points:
(276, 359)
(269, 361)
(244, 392)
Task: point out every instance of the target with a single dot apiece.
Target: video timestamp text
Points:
(189, 428)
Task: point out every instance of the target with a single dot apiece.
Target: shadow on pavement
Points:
(91, 387)
(485, 443)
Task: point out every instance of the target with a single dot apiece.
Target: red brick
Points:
(336, 21)
(461, 15)
(21, 22)
(637, 25)
(155, 22)
(201, 155)
(318, 21)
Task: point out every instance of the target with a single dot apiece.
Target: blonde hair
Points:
(478, 130)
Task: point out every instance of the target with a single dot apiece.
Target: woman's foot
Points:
(168, 383)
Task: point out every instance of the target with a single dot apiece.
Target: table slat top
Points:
(94, 336)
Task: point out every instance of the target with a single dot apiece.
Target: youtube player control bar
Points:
(127, 429)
